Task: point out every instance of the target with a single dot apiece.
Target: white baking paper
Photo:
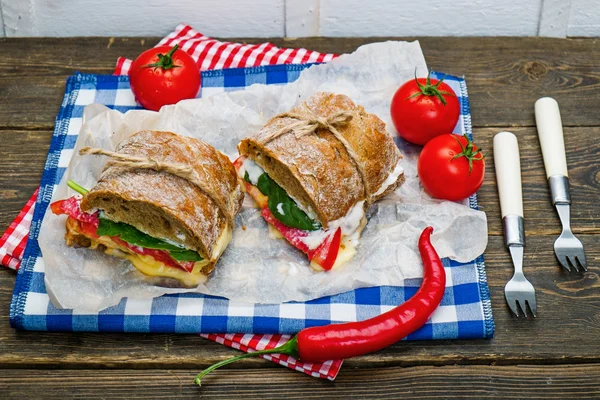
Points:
(255, 267)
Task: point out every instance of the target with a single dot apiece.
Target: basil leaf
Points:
(133, 236)
(247, 177)
(283, 207)
(185, 255)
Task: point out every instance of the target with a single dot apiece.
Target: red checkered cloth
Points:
(209, 54)
(248, 342)
(212, 54)
(12, 243)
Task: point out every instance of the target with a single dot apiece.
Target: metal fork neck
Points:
(514, 231)
(559, 188)
(564, 213)
(516, 253)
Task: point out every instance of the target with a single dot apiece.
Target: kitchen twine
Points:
(181, 170)
(308, 124)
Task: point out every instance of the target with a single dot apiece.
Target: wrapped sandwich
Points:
(164, 202)
(315, 170)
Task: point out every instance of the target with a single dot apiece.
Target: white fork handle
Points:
(550, 132)
(508, 173)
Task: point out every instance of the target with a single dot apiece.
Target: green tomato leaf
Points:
(283, 207)
(135, 237)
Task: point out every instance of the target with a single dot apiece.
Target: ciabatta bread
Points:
(166, 206)
(316, 169)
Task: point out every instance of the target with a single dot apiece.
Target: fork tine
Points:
(572, 262)
(532, 305)
(513, 305)
(522, 308)
(582, 262)
(563, 261)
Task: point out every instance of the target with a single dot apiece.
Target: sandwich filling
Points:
(326, 248)
(151, 256)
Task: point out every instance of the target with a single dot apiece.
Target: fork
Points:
(567, 248)
(518, 291)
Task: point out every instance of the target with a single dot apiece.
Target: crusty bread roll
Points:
(316, 170)
(164, 205)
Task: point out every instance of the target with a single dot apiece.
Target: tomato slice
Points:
(328, 251)
(71, 208)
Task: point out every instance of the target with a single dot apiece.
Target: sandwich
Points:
(164, 202)
(315, 170)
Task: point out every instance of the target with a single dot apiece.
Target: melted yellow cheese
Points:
(274, 233)
(148, 265)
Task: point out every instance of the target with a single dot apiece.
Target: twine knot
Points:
(308, 124)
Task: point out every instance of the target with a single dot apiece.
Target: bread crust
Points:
(316, 169)
(163, 205)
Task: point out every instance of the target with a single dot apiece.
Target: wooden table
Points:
(557, 354)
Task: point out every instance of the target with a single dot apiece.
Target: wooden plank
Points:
(505, 75)
(514, 382)
(22, 158)
(23, 155)
(565, 331)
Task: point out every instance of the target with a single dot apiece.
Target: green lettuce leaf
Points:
(283, 207)
(135, 237)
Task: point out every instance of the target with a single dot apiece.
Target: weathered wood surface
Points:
(510, 382)
(505, 75)
(555, 355)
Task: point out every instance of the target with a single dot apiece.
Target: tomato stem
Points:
(165, 61)
(468, 152)
(430, 90)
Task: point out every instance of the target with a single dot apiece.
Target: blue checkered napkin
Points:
(464, 313)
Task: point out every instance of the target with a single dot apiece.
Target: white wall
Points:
(296, 18)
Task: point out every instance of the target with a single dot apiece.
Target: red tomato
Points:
(423, 109)
(451, 167)
(162, 75)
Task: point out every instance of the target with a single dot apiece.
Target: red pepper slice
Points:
(327, 252)
(338, 341)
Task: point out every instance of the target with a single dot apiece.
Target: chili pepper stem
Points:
(289, 348)
(82, 191)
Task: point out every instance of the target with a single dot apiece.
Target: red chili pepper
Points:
(338, 341)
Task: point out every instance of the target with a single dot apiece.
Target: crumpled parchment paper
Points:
(255, 267)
